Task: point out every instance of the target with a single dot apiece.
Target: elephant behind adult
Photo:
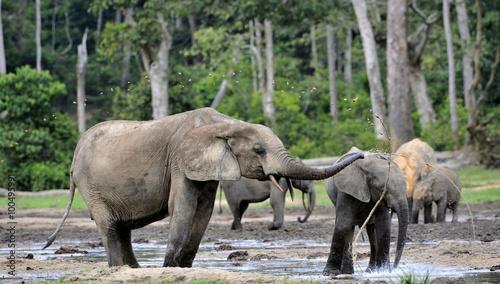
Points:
(133, 173)
(441, 186)
(239, 194)
(416, 159)
(354, 192)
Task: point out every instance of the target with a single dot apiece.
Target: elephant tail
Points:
(72, 187)
(403, 219)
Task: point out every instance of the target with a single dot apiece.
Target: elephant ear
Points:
(205, 155)
(352, 181)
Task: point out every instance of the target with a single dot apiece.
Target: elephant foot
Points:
(273, 226)
(236, 227)
(331, 271)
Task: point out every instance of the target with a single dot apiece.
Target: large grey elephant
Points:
(416, 159)
(239, 194)
(354, 192)
(133, 173)
(441, 186)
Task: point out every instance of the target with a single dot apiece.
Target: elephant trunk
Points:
(402, 211)
(311, 196)
(294, 169)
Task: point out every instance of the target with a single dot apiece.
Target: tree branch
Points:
(484, 93)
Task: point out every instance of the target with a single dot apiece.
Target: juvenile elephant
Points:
(441, 186)
(133, 173)
(416, 159)
(239, 194)
(354, 192)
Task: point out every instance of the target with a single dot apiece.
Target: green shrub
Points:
(36, 141)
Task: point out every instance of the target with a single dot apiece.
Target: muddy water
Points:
(151, 255)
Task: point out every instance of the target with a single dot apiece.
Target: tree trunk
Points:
(463, 30)
(348, 58)
(54, 17)
(260, 61)
(372, 68)
(126, 57)
(268, 100)
(38, 32)
(398, 75)
(314, 52)
(330, 43)
(98, 30)
(158, 73)
(192, 29)
(421, 96)
(417, 79)
(480, 144)
(220, 94)
(81, 68)
(451, 75)
(3, 62)
(252, 58)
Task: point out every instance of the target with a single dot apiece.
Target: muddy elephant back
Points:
(416, 159)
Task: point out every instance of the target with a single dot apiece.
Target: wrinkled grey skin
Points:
(239, 194)
(133, 173)
(354, 192)
(441, 186)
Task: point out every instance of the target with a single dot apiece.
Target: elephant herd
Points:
(133, 173)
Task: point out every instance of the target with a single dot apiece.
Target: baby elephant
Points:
(441, 186)
(239, 194)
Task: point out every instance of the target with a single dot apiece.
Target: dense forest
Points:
(324, 75)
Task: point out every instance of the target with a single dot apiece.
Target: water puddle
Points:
(151, 254)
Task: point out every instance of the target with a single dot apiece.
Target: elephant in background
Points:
(133, 173)
(354, 192)
(441, 186)
(239, 194)
(416, 159)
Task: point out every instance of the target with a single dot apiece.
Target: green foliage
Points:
(439, 136)
(414, 277)
(36, 141)
(133, 105)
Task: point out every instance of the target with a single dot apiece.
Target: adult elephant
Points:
(441, 186)
(239, 194)
(133, 173)
(354, 192)
(416, 159)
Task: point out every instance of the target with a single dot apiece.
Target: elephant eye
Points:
(259, 150)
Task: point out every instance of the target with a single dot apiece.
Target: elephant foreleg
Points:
(428, 217)
(182, 205)
(383, 235)
(278, 203)
(441, 210)
(347, 266)
(202, 216)
(370, 230)
(343, 225)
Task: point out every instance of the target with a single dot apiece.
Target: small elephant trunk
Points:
(294, 169)
(311, 196)
(402, 211)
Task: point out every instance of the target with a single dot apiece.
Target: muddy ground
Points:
(451, 245)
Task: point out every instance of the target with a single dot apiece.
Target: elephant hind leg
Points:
(125, 247)
(238, 214)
